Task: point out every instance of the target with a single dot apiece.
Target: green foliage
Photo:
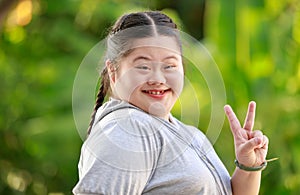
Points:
(255, 43)
(257, 49)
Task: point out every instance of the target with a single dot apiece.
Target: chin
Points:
(158, 109)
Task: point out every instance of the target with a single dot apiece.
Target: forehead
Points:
(159, 44)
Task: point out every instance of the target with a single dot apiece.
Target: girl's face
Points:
(150, 76)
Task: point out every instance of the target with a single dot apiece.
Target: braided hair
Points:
(117, 43)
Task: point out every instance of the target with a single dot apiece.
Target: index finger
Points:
(233, 120)
(249, 120)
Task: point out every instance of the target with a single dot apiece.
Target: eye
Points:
(143, 67)
(169, 66)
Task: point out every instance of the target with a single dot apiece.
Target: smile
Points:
(155, 92)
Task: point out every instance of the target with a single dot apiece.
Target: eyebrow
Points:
(171, 57)
(141, 57)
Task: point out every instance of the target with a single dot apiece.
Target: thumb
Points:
(252, 144)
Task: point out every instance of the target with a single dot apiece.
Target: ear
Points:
(111, 70)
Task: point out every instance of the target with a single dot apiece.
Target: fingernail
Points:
(226, 108)
(258, 140)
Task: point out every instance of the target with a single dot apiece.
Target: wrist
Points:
(246, 168)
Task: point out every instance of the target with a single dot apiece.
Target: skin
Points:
(250, 149)
(151, 78)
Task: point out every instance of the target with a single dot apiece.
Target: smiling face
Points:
(150, 76)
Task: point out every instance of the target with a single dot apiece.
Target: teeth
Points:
(155, 92)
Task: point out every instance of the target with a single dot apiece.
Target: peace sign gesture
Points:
(251, 147)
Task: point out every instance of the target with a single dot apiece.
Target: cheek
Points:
(127, 82)
(176, 82)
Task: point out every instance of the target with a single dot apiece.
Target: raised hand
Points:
(251, 147)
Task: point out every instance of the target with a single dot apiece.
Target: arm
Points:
(250, 148)
(114, 160)
(245, 182)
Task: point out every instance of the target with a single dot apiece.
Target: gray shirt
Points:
(131, 152)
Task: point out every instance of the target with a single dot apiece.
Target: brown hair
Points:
(127, 28)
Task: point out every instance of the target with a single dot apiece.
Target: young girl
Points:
(134, 144)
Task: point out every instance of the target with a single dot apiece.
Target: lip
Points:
(156, 93)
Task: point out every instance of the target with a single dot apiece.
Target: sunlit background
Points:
(255, 43)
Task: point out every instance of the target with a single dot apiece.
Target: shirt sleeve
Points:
(118, 158)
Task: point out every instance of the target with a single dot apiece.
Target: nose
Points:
(156, 78)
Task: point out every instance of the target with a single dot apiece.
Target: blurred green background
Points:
(256, 44)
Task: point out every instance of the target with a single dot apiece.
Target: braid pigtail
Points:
(104, 85)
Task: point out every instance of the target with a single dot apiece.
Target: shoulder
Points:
(199, 139)
(198, 135)
(125, 138)
(126, 121)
